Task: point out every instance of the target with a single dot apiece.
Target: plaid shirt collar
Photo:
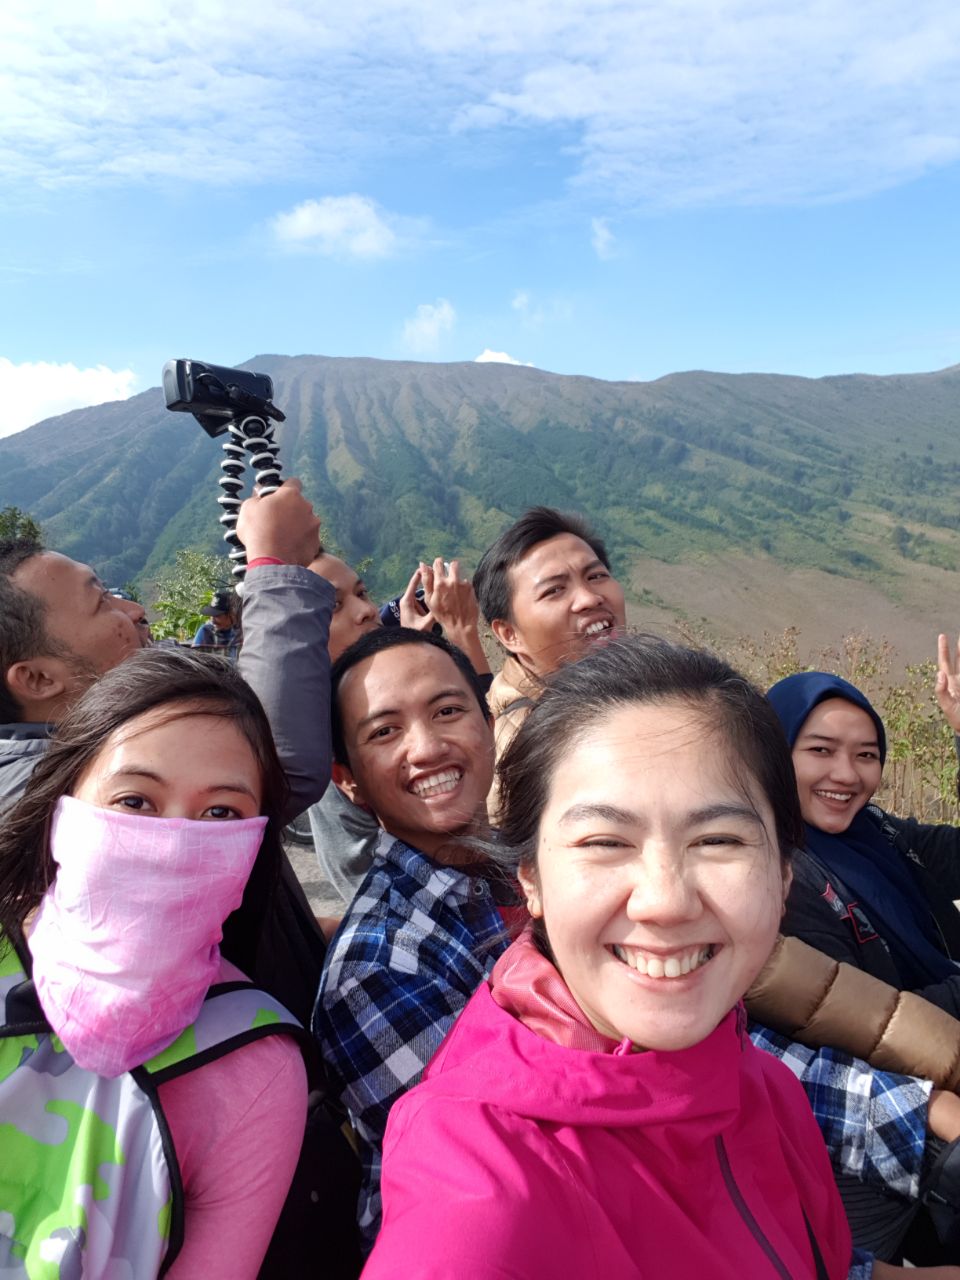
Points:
(437, 882)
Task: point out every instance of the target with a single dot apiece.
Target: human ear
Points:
(506, 634)
(348, 785)
(37, 680)
(530, 884)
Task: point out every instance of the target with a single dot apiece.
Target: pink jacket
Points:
(520, 1158)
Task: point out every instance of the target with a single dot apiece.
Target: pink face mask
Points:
(126, 941)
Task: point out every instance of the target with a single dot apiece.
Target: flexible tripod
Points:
(238, 403)
(252, 435)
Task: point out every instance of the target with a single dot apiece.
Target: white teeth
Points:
(596, 627)
(437, 784)
(675, 966)
(835, 795)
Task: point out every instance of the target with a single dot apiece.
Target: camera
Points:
(215, 395)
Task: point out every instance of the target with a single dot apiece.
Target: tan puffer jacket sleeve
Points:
(822, 1002)
(511, 696)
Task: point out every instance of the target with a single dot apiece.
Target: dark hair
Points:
(23, 633)
(378, 641)
(186, 683)
(491, 581)
(642, 669)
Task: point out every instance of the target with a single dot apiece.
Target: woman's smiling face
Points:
(836, 758)
(658, 876)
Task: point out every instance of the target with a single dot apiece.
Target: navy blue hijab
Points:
(876, 874)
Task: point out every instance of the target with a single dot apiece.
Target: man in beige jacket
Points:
(546, 589)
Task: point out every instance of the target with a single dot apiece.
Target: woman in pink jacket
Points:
(597, 1110)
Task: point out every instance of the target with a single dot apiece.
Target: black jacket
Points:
(822, 912)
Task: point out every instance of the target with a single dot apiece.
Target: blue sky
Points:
(590, 186)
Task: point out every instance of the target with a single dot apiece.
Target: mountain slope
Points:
(853, 476)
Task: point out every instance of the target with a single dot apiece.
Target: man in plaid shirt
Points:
(412, 741)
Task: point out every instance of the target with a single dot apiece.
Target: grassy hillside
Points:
(851, 478)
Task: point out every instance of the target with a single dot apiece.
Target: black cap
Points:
(222, 602)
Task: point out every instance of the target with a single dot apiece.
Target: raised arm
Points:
(286, 622)
(452, 603)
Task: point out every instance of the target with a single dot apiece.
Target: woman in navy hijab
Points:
(869, 888)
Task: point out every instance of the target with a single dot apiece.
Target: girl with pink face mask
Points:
(152, 1100)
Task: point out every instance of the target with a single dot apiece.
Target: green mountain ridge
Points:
(855, 476)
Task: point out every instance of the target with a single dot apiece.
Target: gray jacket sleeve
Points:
(345, 838)
(286, 622)
(18, 757)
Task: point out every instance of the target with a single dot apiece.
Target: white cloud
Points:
(498, 357)
(31, 392)
(691, 102)
(429, 323)
(602, 238)
(535, 312)
(338, 226)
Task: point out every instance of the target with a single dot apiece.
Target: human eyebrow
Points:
(625, 817)
(601, 812)
(448, 693)
(377, 715)
(824, 737)
(94, 582)
(136, 771)
(395, 711)
(562, 576)
(133, 771)
(722, 811)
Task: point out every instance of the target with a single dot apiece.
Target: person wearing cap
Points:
(222, 631)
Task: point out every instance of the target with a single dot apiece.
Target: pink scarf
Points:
(126, 941)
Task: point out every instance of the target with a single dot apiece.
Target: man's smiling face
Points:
(420, 749)
(563, 600)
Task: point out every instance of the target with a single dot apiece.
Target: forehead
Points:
(838, 718)
(562, 554)
(640, 729)
(340, 576)
(55, 579)
(162, 725)
(653, 752)
(406, 676)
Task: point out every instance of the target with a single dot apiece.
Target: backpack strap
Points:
(233, 1014)
(893, 834)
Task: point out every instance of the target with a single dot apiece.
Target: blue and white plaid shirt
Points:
(873, 1122)
(416, 942)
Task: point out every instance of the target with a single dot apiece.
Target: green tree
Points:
(183, 588)
(15, 523)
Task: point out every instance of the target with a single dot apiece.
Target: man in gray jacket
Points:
(59, 629)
